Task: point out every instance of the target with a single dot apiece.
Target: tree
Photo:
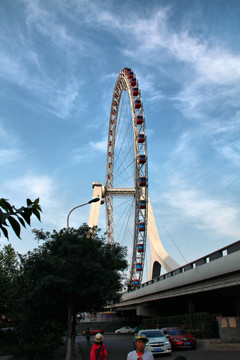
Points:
(9, 267)
(17, 217)
(74, 270)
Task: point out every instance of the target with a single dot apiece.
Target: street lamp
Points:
(96, 199)
(70, 312)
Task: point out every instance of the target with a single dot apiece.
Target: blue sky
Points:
(59, 61)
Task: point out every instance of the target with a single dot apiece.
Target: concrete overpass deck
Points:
(217, 270)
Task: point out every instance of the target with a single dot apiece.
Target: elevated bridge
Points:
(208, 284)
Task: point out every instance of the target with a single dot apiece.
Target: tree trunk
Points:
(69, 332)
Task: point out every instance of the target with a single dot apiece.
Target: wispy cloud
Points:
(218, 215)
(10, 155)
(10, 150)
(88, 152)
(59, 93)
(33, 186)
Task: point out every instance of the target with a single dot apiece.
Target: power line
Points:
(174, 243)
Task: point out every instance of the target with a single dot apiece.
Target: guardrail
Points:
(229, 249)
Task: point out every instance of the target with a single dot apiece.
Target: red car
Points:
(93, 332)
(179, 338)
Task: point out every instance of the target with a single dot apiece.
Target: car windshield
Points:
(176, 331)
(152, 333)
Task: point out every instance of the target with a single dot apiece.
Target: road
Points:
(118, 347)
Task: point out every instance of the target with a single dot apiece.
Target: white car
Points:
(124, 330)
(158, 343)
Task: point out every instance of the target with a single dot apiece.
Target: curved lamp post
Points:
(70, 314)
(96, 199)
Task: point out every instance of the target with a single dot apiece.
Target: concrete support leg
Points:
(191, 307)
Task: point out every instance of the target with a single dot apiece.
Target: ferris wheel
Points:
(128, 208)
(126, 186)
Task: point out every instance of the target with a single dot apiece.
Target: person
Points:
(157, 327)
(140, 353)
(87, 334)
(98, 350)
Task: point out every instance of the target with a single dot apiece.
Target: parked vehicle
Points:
(158, 343)
(124, 330)
(135, 330)
(93, 332)
(179, 337)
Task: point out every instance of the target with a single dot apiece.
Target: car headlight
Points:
(166, 342)
(147, 344)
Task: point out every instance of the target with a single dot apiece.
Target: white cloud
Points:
(9, 150)
(59, 94)
(89, 152)
(32, 186)
(47, 24)
(231, 154)
(10, 155)
(100, 145)
(217, 215)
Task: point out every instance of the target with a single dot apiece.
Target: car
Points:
(157, 343)
(93, 332)
(134, 330)
(179, 337)
(124, 330)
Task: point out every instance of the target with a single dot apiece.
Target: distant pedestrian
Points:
(98, 350)
(140, 353)
(88, 334)
(157, 327)
(180, 357)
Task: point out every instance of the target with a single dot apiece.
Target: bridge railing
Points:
(229, 249)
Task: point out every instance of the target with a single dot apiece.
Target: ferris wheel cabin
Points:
(133, 82)
(142, 181)
(141, 226)
(136, 282)
(141, 138)
(139, 119)
(134, 90)
(140, 248)
(142, 204)
(142, 159)
(138, 104)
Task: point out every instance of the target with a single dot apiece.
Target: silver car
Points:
(124, 330)
(158, 343)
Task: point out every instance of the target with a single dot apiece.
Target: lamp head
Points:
(96, 199)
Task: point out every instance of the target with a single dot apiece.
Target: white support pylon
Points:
(158, 253)
(98, 191)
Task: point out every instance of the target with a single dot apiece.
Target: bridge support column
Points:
(237, 305)
(191, 307)
(145, 310)
(158, 253)
(98, 191)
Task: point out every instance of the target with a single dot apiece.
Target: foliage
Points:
(202, 325)
(72, 266)
(9, 266)
(17, 217)
(8, 342)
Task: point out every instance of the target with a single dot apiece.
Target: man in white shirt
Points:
(140, 353)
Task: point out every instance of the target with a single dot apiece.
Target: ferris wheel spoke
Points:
(121, 164)
(125, 218)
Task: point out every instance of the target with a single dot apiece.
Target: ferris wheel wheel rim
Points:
(122, 84)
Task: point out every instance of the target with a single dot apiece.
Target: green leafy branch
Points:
(17, 217)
